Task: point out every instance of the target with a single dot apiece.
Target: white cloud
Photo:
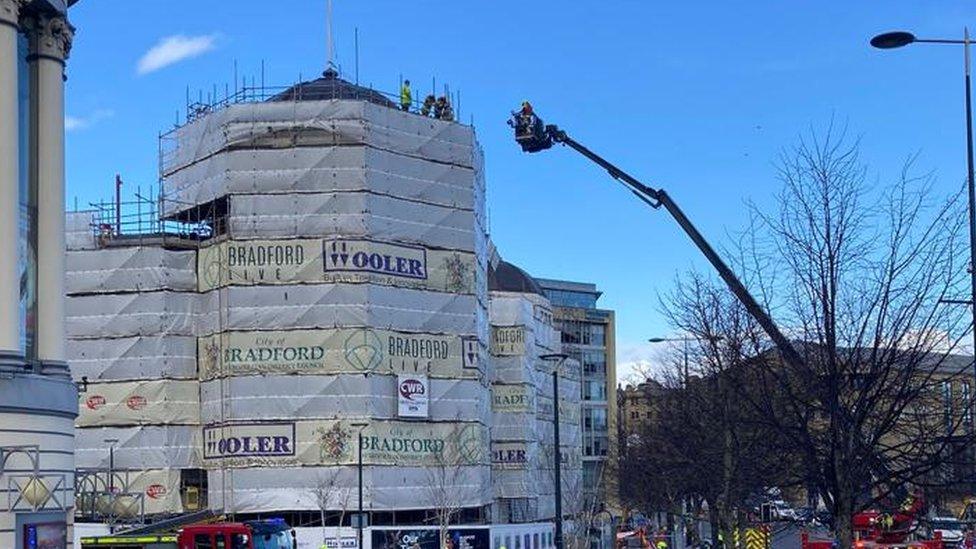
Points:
(636, 361)
(72, 123)
(173, 49)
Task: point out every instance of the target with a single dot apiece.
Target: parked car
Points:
(782, 511)
(953, 530)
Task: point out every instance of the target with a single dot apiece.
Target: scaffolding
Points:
(138, 221)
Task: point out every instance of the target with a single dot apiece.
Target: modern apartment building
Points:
(588, 336)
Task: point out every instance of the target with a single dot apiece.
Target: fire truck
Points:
(257, 534)
(877, 529)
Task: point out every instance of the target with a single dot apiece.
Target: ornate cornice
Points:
(10, 12)
(50, 36)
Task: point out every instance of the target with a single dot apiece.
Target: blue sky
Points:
(696, 97)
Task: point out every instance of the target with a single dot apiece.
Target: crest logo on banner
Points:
(364, 350)
(333, 443)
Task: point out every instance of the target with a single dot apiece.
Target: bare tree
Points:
(445, 478)
(705, 441)
(857, 272)
(330, 493)
(581, 505)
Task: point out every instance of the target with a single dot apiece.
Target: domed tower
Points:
(348, 274)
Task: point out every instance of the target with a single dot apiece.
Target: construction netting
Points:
(341, 292)
(523, 410)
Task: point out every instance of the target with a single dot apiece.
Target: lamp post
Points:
(685, 341)
(111, 479)
(558, 358)
(897, 39)
(359, 468)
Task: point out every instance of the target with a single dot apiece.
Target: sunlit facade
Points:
(38, 401)
(588, 336)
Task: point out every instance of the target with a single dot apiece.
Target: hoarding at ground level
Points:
(429, 538)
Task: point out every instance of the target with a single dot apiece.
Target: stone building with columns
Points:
(38, 400)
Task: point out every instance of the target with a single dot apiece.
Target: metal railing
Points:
(140, 219)
(258, 93)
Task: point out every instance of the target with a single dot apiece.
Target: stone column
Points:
(50, 40)
(10, 354)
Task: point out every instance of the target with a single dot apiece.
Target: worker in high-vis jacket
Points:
(406, 98)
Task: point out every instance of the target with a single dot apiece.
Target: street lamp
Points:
(685, 341)
(558, 358)
(897, 39)
(359, 467)
(111, 478)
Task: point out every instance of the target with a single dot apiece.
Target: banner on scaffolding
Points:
(327, 442)
(334, 260)
(512, 398)
(332, 351)
(508, 340)
(150, 402)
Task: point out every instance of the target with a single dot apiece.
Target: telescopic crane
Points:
(534, 136)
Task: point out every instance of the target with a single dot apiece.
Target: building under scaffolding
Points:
(314, 269)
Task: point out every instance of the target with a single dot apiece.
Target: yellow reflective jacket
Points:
(405, 97)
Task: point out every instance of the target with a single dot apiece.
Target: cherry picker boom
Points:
(534, 136)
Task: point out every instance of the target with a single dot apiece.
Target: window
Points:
(594, 363)
(497, 543)
(595, 419)
(221, 543)
(518, 542)
(597, 335)
(535, 541)
(967, 408)
(508, 542)
(528, 541)
(634, 415)
(594, 390)
(203, 541)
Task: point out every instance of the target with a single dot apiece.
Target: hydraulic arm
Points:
(532, 140)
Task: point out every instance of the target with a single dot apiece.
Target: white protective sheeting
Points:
(79, 230)
(146, 402)
(139, 314)
(320, 124)
(338, 396)
(130, 269)
(330, 305)
(292, 488)
(318, 169)
(356, 177)
(140, 447)
(351, 214)
(522, 400)
(146, 357)
(281, 307)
